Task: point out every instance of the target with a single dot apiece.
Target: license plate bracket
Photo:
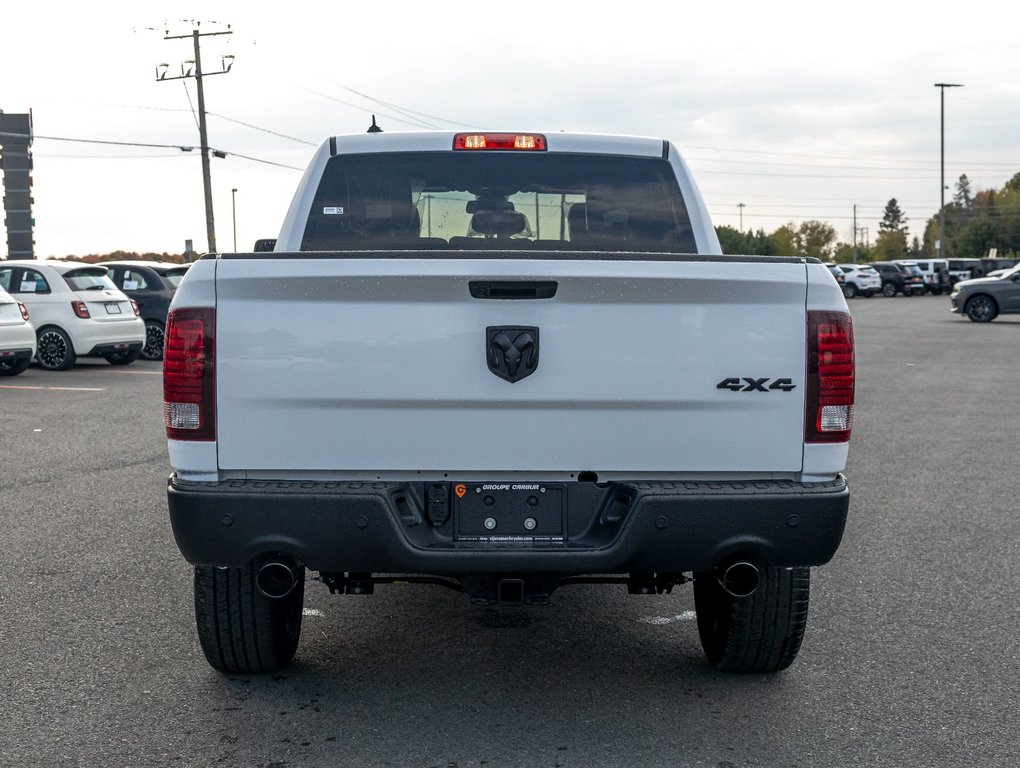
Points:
(112, 308)
(510, 513)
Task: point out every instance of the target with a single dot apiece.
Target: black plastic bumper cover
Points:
(378, 528)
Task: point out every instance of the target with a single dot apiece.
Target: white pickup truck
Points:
(504, 363)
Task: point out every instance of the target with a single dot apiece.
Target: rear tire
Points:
(14, 367)
(240, 630)
(758, 633)
(849, 290)
(54, 350)
(122, 358)
(888, 289)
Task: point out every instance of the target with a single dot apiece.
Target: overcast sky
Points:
(798, 110)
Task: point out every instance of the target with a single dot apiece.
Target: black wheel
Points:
(14, 366)
(153, 349)
(126, 357)
(888, 289)
(54, 350)
(240, 629)
(758, 633)
(849, 290)
(981, 309)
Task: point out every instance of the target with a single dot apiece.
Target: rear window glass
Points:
(89, 280)
(175, 276)
(506, 200)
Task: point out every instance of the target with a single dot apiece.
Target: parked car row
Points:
(58, 311)
(981, 298)
(909, 278)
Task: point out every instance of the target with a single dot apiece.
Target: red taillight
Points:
(189, 374)
(80, 309)
(134, 306)
(518, 141)
(830, 385)
(24, 310)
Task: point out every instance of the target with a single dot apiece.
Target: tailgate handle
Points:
(513, 289)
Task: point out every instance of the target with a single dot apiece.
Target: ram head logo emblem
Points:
(512, 351)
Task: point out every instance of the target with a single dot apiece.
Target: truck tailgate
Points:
(380, 364)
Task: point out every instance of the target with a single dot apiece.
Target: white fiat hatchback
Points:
(17, 335)
(77, 311)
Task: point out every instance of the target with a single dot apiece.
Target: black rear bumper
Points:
(384, 527)
(110, 348)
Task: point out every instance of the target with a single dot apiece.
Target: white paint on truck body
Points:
(379, 365)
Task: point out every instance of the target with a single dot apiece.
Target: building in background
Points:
(16, 163)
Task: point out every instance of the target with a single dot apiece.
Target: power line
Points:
(816, 176)
(221, 117)
(183, 148)
(1006, 168)
(406, 110)
(103, 157)
(417, 124)
(264, 130)
(829, 157)
(192, 106)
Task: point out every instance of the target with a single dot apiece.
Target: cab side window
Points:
(5, 278)
(133, 280)
(31, 282)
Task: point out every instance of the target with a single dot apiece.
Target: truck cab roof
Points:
(440, 141)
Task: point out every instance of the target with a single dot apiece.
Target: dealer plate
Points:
(510, 513)
(113, 309)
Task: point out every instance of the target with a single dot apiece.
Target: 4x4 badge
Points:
(511, 351)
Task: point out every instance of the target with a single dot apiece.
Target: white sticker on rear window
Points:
(332, 210)
(28, 287)
(130, 285)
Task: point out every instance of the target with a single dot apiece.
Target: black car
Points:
(896, 278)
(152, 285)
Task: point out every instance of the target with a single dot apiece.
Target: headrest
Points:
(499, 223)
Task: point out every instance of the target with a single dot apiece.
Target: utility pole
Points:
(855, 233)
(942, 164)
(741, 207)
(233, 214)
(226, 63)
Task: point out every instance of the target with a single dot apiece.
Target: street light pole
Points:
(233, 214)
(942, 163)
(741, 207)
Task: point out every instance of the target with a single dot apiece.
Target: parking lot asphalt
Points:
(910, 658)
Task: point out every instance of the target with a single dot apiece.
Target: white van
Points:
(931, 270)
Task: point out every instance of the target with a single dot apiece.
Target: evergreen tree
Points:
(915, 248)
(893, 219)
(963, 197)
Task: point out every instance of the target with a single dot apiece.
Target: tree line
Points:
(97, 258)
(974, 224)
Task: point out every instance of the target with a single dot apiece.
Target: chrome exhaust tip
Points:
(739, 579)
(275, 579)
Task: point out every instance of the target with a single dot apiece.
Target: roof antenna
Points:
(373, 128)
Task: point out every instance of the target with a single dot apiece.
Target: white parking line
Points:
(55, 389)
